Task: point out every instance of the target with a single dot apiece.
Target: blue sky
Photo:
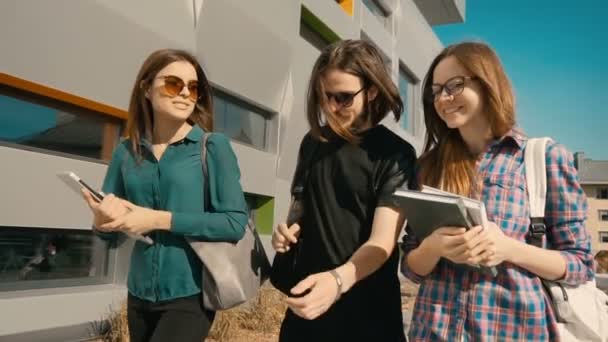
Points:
(556, 55)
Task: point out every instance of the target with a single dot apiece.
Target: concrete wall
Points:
(93, 49)
(34, 310)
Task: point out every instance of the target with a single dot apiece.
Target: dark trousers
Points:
(353, 318)
(181, 319)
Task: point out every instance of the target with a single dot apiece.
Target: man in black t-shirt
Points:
(347, 287)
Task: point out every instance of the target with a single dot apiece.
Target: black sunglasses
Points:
(343, 99)
(452, 87)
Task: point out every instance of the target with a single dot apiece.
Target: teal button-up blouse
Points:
(169, 268)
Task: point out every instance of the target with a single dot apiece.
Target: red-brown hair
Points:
(446, 162)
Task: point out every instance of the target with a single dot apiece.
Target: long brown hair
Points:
(361, 59)
(446, 162)
(602, 261)
(141, 121)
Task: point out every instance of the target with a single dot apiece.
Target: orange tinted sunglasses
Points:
(173, 86)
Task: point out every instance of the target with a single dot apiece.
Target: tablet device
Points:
(77, 184)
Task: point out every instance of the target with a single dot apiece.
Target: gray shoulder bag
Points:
(232, 272)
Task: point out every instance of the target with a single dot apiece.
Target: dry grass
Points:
(256, 321)
(117, 329)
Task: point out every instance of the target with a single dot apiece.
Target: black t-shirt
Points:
(345, 184)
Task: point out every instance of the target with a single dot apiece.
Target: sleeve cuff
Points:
(408, 273)
(576, 272)
(181, 223)
(107, 236)
(387, 201)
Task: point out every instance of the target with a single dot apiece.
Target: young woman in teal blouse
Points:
(154, 187)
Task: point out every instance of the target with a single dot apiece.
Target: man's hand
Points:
(323, 293)
(284, 236)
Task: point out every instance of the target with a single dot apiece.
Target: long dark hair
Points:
(446, 162)
(141, 121)
(359, 58)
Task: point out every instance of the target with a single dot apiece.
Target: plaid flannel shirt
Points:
(458, 304)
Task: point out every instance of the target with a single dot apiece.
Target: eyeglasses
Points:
(452, 87)
(343, 99)
(174, 85)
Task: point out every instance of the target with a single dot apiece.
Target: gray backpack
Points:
(581, 311)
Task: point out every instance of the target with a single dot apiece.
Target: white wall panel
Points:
(332, 15)
(33, 196)
(89, 48)
(376, 31)
(31, 309)
(257, 169)
(241, 55)
(417, 44)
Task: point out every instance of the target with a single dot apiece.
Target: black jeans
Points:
(181, 319)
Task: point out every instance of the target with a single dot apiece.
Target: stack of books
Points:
(429, 209)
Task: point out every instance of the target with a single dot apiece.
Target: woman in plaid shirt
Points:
(473, 148)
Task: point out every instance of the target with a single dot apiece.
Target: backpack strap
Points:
(536, 180)
(310, 146)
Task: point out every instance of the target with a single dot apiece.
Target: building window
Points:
(42, 258)
(241, 121)
(603, 237)
(407, 88)
(30, 120)
(379, 12)
(603, 215)
(602, 193)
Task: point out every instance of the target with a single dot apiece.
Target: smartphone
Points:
(77, 184)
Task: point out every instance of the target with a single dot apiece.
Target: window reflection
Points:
(33, 124)
(240, 121)
(30, 254)
(406, 91)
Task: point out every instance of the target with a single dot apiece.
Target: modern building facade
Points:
(66, 72)
(593, 176)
